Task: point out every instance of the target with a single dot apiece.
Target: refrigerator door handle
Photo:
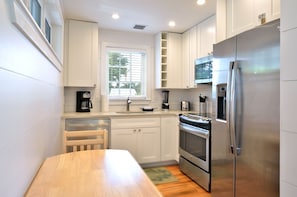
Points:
(230, 106)
(232, 93)
(235, 135)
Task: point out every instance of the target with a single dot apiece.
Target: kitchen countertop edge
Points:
(117, 114)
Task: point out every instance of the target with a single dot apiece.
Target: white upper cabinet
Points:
(197, 42)
(207, 36)
(168, 60)
(243, 15)
(239, 16)
(190, 53)
(186, 64)
(81, 54)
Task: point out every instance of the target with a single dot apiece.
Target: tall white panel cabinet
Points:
(168, 60)
(169, 138)
(288, 106)
(81, 53)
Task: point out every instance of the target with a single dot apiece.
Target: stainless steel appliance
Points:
(194, 148)
(203, 70)
(202, 105)
(165, 102)
(83, 101)
(185, 105)
(245, 126)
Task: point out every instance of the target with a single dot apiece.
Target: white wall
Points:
(30, 108)
(136, 39)
(288, 105)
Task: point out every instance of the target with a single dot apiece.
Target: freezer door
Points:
(222, 162)
(257, 113)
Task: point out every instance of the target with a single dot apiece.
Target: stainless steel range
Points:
(194, 148)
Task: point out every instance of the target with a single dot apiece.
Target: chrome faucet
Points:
(128, 104)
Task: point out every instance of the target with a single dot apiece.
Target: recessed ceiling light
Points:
(115, 16)
(171, 23)
(200, 2)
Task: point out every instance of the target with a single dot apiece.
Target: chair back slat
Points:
(85, 140)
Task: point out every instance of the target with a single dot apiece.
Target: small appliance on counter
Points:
(83, 101)
(165, 104)
(185, 106)
(202, 105)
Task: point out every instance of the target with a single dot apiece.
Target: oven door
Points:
(194, 145)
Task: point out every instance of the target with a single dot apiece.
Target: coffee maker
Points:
(83, 101)
(165, 104)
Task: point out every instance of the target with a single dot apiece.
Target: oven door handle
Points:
(194, 131)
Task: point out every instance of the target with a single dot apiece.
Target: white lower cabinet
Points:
(148, 139)
(169, 138)
(139, 135)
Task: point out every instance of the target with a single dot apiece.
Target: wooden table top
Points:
(92, 173)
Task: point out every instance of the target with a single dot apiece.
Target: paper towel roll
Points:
(104, 103)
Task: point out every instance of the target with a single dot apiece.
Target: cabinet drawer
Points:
(134, 122)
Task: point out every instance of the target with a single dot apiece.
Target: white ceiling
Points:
(155, 14)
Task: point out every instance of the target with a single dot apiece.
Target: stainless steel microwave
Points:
(203, 70)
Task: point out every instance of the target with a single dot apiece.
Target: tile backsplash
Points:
(175, 98)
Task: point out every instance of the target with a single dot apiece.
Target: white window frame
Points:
(147, 72)
(21, 17)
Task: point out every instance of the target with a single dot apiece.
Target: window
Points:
(126, 73)
(48, 30)
(36, 11)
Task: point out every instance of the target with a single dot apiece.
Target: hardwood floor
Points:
(185, 187)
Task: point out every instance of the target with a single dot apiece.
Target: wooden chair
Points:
(85, 140)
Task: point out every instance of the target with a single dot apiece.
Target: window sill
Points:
(22, 19)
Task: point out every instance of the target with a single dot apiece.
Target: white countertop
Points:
(120, 114)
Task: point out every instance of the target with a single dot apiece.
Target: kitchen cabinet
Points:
(188, 80)
(139, 135)
(169, 138)
(81, 54)
(189, 46)
(243, 15)
(197, 42)
(207, 36)
(168, 60)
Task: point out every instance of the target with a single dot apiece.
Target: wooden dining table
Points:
(92, 173)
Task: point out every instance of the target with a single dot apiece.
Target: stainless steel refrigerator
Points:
(245, 122)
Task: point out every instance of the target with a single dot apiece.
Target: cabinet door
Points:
(148, 144)
(169, 138)
(207, 36)
(174, 60)
(187, 65)
(269, 8)
(125, 139)
(82, 55)
(240, 16)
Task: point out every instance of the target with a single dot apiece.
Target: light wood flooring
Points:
(185, 187)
